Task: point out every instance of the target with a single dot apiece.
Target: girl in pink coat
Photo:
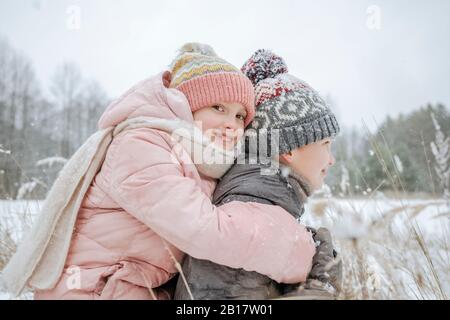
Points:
(149, 203)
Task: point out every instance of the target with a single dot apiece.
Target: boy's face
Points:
(311, 161)
(223, 123)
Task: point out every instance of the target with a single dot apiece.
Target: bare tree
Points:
(18, 92)
(34, 127)
(66, 88)
(94, 102)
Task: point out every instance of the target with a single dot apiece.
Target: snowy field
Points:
(391, 249)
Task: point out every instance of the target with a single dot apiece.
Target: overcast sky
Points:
(371, 57)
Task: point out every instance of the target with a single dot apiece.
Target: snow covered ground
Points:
(347, 217)
(391, 249)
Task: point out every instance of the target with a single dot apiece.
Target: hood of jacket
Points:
(148, 98)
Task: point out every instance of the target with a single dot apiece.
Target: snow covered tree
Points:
(439, 148)
(35, 125)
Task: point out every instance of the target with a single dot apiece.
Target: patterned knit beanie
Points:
(286, 103)
(205, 79)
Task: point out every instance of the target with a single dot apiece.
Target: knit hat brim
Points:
(300, 135)
(284, 139)
(220, 87)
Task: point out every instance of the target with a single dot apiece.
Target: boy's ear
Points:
(286, 158)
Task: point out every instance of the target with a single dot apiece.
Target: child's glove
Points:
(324, 280)
(327, 265)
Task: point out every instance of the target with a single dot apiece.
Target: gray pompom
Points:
(263, 64)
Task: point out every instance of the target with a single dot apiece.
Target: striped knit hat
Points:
(286, 103)
(205, 79)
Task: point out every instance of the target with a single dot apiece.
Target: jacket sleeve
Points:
(149, 183)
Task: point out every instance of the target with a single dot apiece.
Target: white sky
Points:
(367, 72)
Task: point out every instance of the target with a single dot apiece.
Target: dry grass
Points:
(387, 256)
(15, 220)
(7, 245)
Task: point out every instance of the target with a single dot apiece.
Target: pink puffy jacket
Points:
(142, 195)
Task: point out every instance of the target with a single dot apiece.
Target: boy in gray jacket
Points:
(286, 157)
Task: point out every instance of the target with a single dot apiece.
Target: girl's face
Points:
(223, 123)
(311, 161)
